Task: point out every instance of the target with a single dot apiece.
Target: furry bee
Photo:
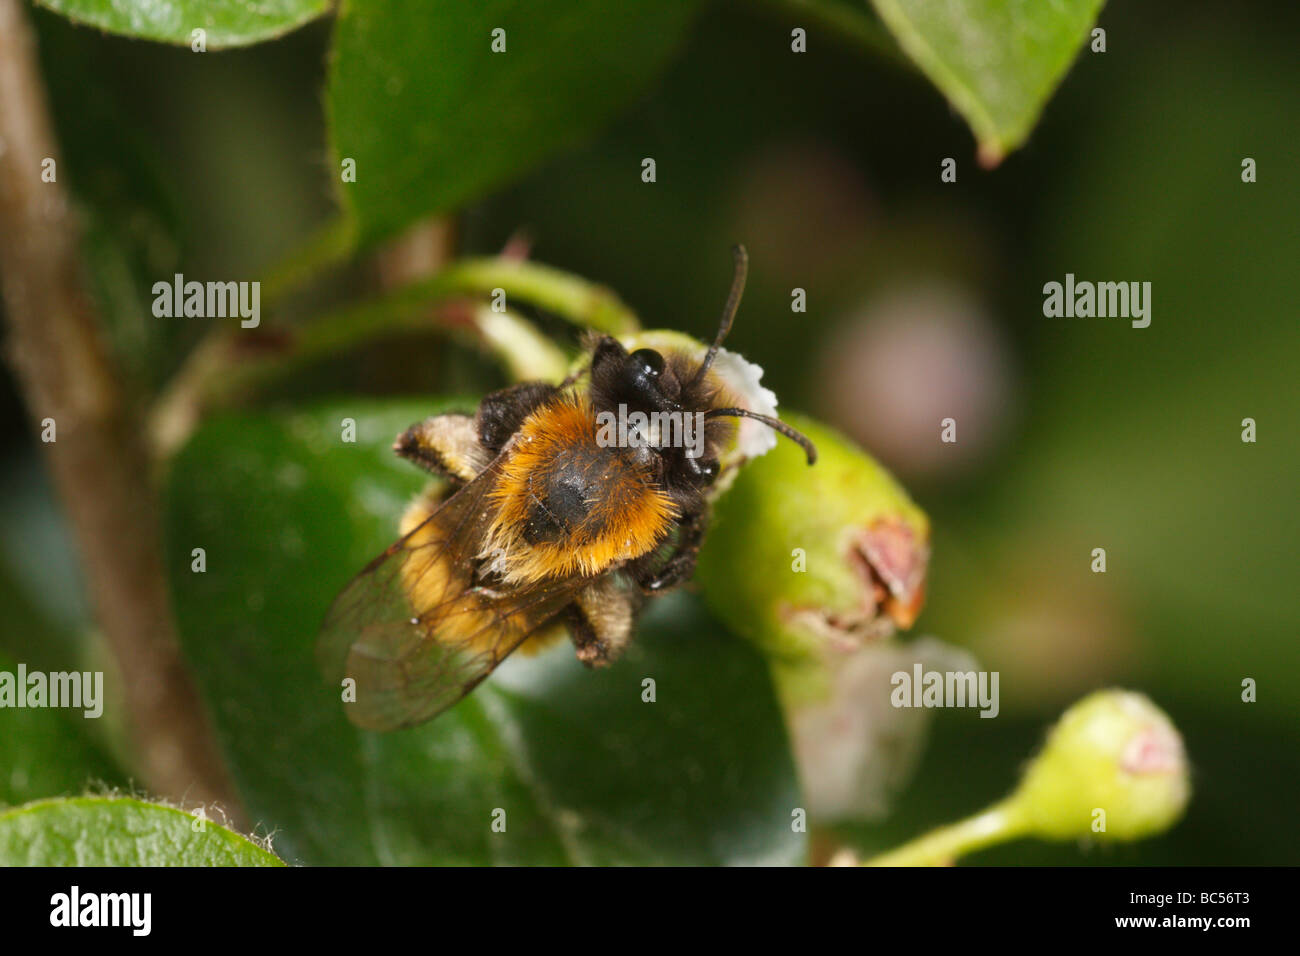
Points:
(548, 526)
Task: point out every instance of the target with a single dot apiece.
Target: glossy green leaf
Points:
(226, 23)
(47, 751)
(119, 831)
(434, 118)
(997, 61)
(575, 763)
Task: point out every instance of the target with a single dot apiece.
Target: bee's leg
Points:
(680, 565)
(447, 445)
(502, 412)
(600, 621)
(458, 447)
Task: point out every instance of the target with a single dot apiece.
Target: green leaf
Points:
(997, 61)
(47, 751)
(584, 770)
(226, 22)
(434, 118)
(119, 831)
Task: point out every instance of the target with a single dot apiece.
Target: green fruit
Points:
(808, 560)
(1113, 768)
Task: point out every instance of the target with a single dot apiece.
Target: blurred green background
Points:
(924, 301)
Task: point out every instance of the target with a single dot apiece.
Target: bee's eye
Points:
(703, 470)
(648, 362)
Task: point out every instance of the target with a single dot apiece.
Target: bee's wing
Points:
(414, 631)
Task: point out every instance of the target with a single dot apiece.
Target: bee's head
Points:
(641, 380)
(645, 383)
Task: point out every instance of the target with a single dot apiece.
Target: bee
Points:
(546, 525)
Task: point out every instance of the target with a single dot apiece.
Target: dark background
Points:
(924, 300)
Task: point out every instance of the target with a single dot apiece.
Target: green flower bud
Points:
(1113, 768)
(813, 561)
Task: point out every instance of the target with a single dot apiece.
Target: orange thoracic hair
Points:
(627, 514)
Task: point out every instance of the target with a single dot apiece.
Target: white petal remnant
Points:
(741, 378)
(854, 749)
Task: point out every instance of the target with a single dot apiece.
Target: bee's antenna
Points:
(728, 310)
(774, 423)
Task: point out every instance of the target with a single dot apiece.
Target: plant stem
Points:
(97, 461)
(528, 355)
(230, 364)
(999, 823)
(328, 246)
(570, 297)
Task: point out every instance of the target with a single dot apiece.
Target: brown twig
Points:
(98, 460)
